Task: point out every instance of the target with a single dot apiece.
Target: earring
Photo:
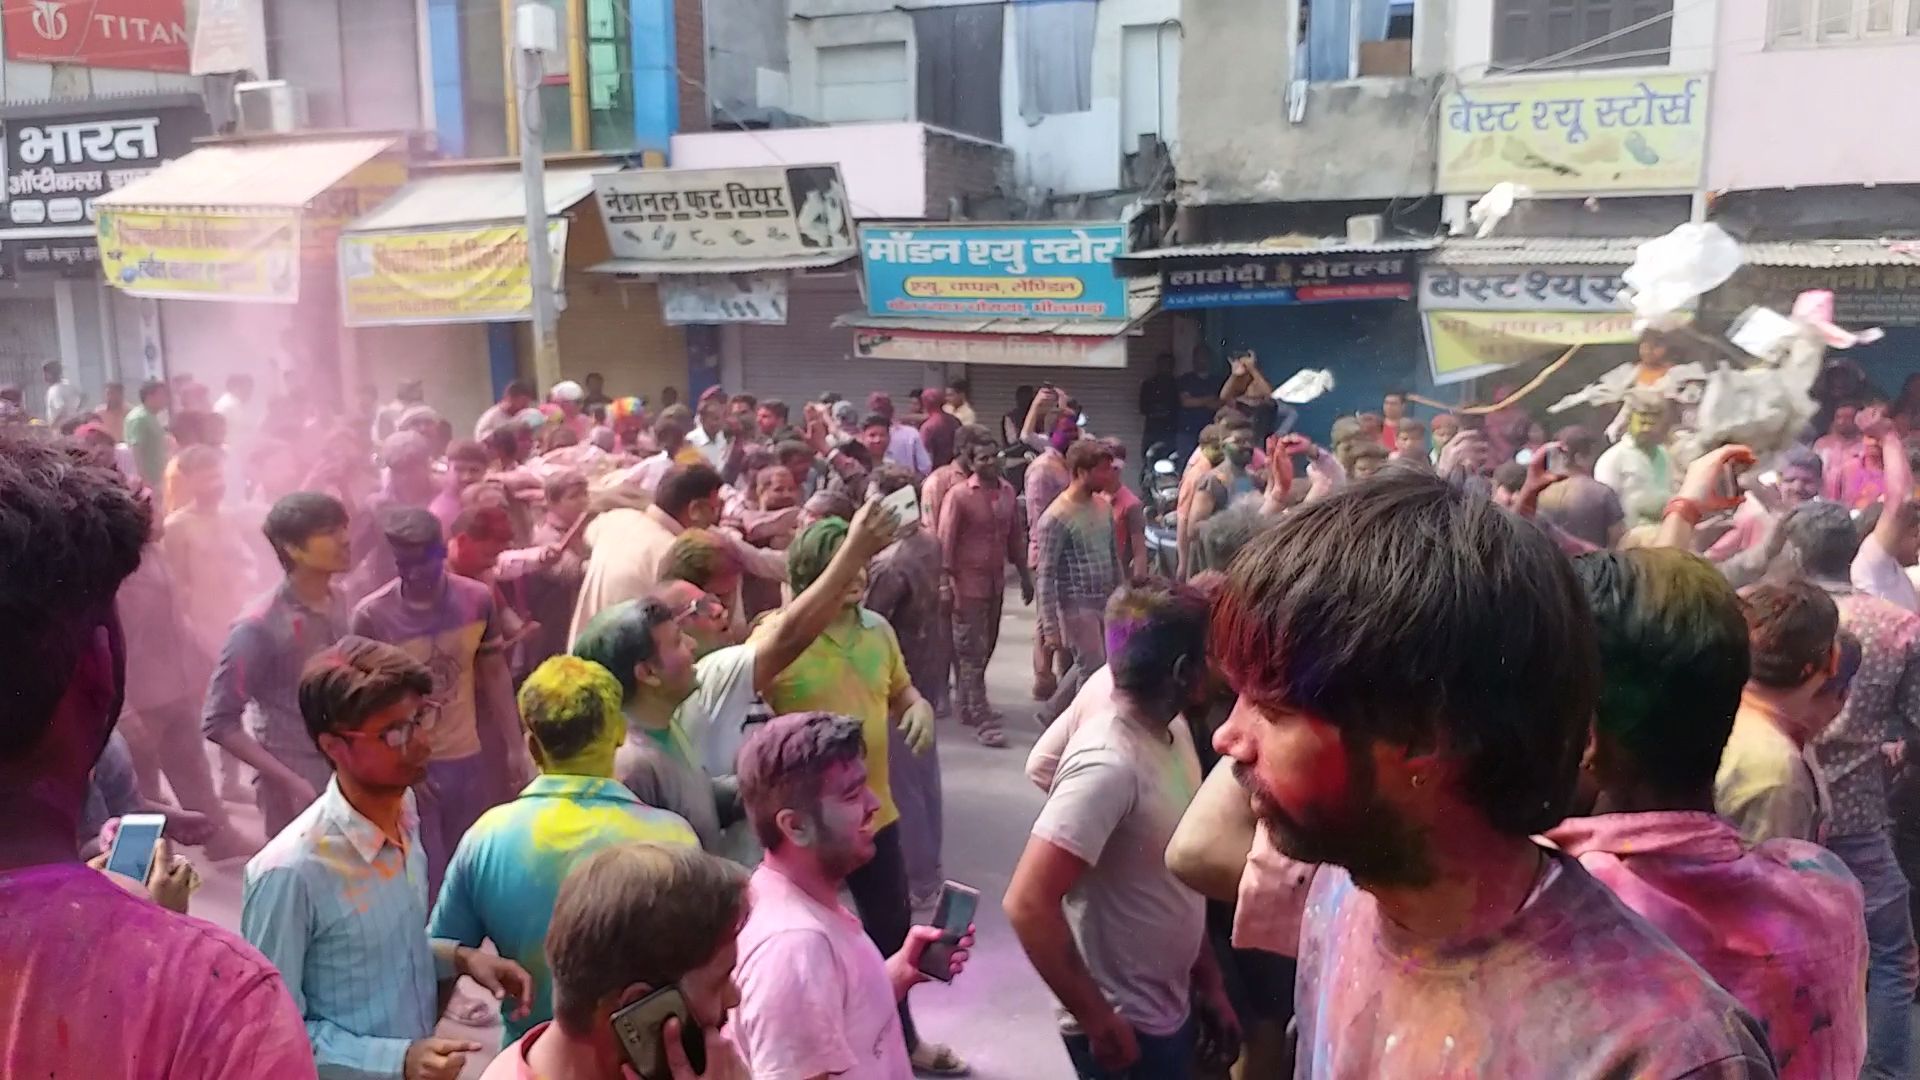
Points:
(1418, 779)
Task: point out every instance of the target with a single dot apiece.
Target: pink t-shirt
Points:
(98, 983)
(814, 994)
(1778, 924)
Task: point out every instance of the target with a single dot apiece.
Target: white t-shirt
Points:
(1116, 799)
(814, 994)
(1877, 574)
(713, 719)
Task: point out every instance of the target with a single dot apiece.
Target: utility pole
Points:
(536, 34)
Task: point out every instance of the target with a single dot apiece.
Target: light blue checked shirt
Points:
(342, 912)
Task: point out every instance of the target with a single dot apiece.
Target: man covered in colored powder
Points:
(981, 532)
(266, 650)
(170, 997)
(855, 668)
(1077, 568)
(450, 625)
(506, 874)
(1780, 924)
(1118, 939)
(1802, 665)
(1438, 937)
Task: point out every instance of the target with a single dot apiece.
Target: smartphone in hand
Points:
(639, 1029)
(952, 914)
(134, 844)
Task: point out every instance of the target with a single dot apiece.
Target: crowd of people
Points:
(1444, 748)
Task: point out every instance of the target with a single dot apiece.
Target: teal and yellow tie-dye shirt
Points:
(507, 871)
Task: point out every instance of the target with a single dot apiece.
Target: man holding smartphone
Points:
(817, 998)
(150, 1006)
(639, 931)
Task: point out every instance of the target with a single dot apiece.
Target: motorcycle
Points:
(1160, 479)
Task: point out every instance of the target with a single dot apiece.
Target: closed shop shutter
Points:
(615, 328)
(810, 356)
(1110, 397)
(29, 337)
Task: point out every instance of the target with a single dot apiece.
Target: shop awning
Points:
(1156, 260)
(239, 221)
(451, 247)
(274, 175)
(436, 200)
(656, 267)
(1085, 343)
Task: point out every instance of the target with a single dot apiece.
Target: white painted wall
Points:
(884, 165)
(1064, 154)
(1785, 117)
(1692, 49)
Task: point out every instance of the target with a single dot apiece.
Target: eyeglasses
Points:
(706, 604)
(400, 734)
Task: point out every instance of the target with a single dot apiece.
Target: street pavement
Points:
(998, 1014)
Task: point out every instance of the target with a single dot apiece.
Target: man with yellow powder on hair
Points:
(508, 868)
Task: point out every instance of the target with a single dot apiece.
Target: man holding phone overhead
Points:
(151, 1008)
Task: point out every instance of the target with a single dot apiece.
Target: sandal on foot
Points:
(990, 737)
(933, 1059)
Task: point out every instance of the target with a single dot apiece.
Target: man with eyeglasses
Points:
(449, 624)
(338, 901)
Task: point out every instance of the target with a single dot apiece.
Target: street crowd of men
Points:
(1443, 749)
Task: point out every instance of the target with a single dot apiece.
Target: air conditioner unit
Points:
(274, 105)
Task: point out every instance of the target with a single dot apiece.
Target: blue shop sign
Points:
(1267, 281)
(1060, 271)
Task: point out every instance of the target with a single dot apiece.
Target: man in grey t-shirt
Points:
(1117, 937)
(1581, 506)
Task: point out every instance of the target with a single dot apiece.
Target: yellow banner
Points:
(1644, 133)
(202, 256)
(474, 273)
(1464, 345)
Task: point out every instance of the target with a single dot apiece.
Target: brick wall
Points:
(690, 54)
(963, 167)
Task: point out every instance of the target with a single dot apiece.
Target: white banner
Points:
(694, 215)
(724, 298)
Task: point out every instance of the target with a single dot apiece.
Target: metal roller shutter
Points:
(1110, 397)
(809, 356)
(615, 328)
(29, 337)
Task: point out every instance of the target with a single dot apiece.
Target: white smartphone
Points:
(905, 505)
(134, 844)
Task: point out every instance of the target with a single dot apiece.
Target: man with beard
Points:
(1778, 924)
(338, 901)
(1228, 481)
(1119, 939)
(1416, 670)
(855, 666)
(816, 997)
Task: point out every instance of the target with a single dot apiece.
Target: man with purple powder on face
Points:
(449, 625)
(1438, 938)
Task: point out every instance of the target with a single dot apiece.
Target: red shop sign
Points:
(140, 35)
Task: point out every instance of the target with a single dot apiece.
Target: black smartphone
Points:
(952, 913)
(639, 1025)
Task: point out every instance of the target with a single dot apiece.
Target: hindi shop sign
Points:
(1006, 350)
(466, 273)
(690, 215)
(693, 299)
(1518, 288)
(1644, 133)
(1060, 271)
(133, 35)
(1265, 281)
(187, 255)
(57, 165)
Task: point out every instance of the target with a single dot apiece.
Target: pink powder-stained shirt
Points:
(1273, 898)
(815, 998)
(1575, 986)
(166, 997)
(1780, 925)
(980, 535)
(1047, 476)
(933, 492)
(1834, 453)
